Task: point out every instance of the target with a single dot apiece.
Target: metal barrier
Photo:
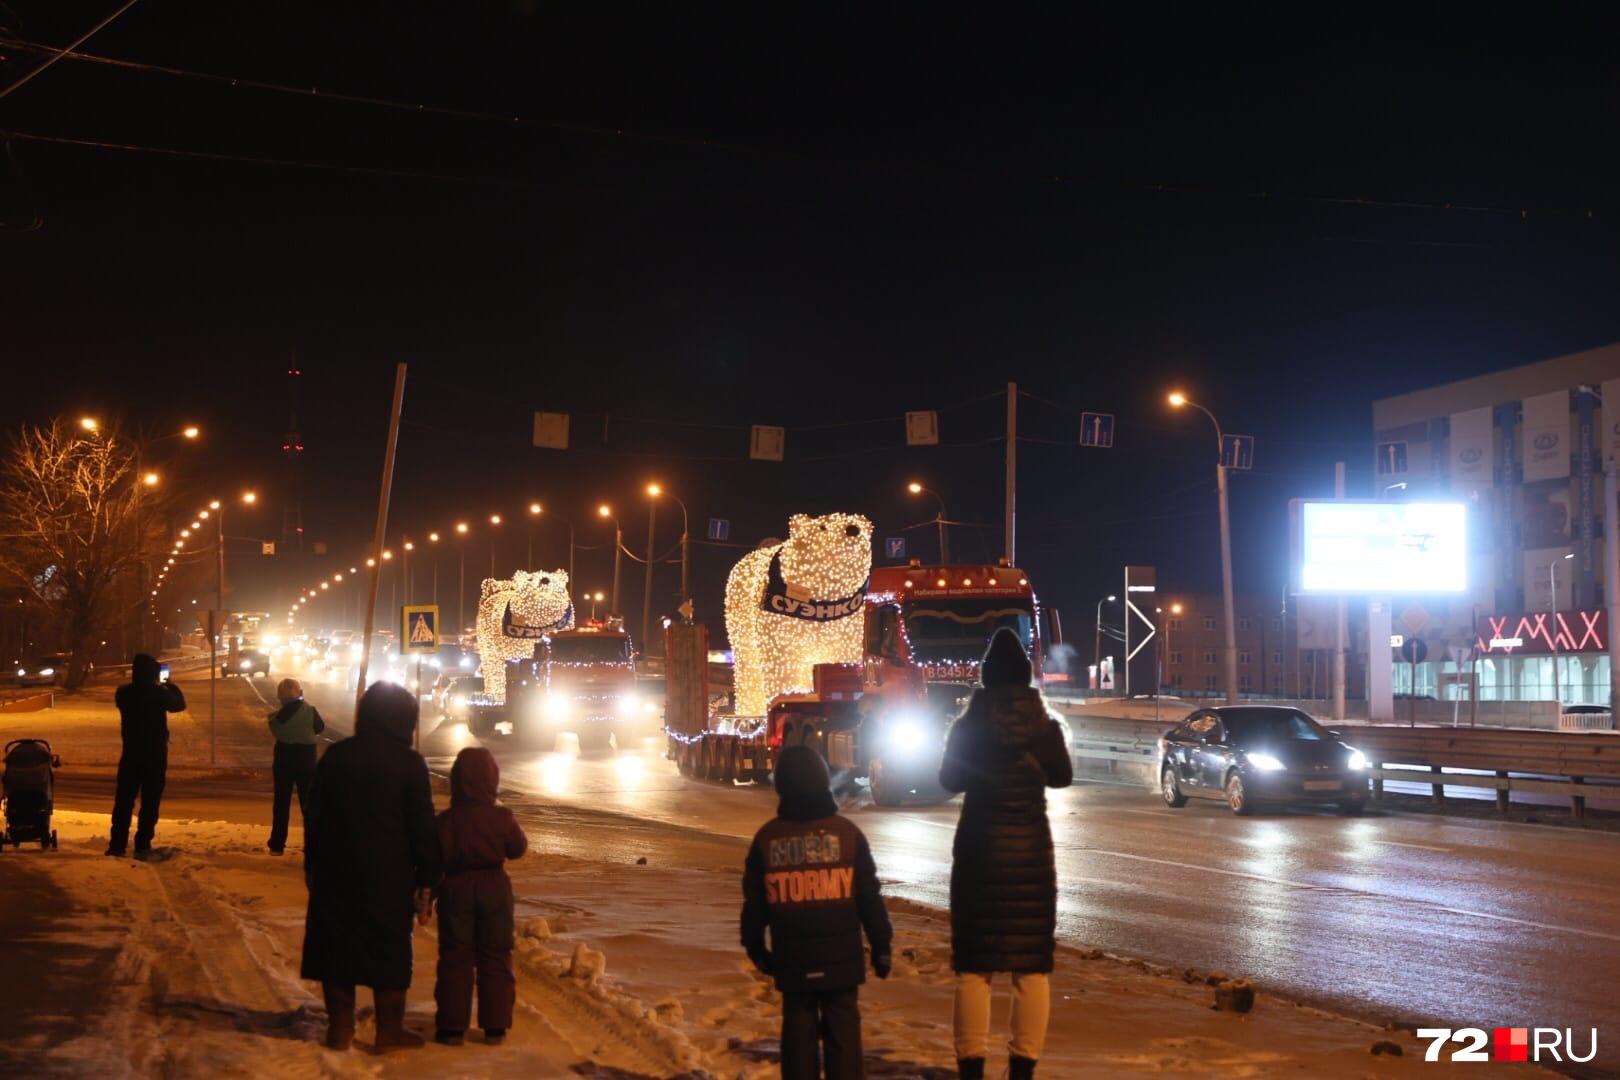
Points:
(1535, 762)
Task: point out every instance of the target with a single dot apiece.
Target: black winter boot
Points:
(1020, 1068)
(970, 1068)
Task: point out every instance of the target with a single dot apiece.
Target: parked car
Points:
(1251, 755)
(1586, 718)
(46, 670)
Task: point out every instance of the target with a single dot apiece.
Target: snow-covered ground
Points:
(627, 967)
(624, 970)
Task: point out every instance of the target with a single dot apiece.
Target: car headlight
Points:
(246, 665)
(47, 672)
(905, 735)
(1265, 762)
(459, 701)
(21, 672)
(466, 663)
(1358, 760)
(628, 705)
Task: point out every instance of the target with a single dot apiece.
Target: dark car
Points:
(246, 661)
(1251, 755)
(453, 702)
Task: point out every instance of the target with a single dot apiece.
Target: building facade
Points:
(1525, 449)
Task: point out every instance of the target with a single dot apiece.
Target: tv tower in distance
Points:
(292, 448)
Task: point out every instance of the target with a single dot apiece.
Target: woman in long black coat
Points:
(1003, 753)
(370, 844)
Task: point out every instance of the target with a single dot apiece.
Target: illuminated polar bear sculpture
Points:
(513, 615)
(794, 605)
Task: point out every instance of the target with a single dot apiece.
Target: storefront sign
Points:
(1534, 633)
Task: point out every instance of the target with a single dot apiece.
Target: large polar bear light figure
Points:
(513, 615)
(794, 605)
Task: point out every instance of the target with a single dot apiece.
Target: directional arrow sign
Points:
(1237, 451)
(1097, 429)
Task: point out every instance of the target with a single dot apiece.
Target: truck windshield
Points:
(590, 650)
(948, 629)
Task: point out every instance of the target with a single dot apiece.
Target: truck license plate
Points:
(1322, 785)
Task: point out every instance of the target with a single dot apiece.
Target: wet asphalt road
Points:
(1388, 917)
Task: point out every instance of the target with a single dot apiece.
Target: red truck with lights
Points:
(924, 630)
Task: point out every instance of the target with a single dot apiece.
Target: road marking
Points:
(1402, 843)
(1308, 887)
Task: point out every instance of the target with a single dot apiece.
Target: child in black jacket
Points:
(810, 880)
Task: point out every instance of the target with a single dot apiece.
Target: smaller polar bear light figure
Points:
(794, 605)
(514, 614)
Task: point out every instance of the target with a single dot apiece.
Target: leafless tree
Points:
(69, 511)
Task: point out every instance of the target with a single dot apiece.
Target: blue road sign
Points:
(419, 625)
(895, 547)
(719, 529)
(1097, 429)
(1237, 451)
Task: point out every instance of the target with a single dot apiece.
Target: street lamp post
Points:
(494, 520)
(534, 512)
(1096, 646)
(939, 518)
(646, 580)
(595, 598)
(1552, 606)
(433, 538)
(655, 491)
(461, 590)
(218, 621)
(606, 511)
(1178, 400)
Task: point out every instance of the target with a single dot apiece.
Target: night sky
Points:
(812, 218)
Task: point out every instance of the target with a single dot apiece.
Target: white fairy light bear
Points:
(794, 605)
(514, 614)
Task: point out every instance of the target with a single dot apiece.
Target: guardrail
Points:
(1571, 764)
(1536, 762)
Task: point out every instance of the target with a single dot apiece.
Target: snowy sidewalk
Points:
(188, 967)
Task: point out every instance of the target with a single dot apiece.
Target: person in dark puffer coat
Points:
(371, 854)
(1003, 753)
(810, 880)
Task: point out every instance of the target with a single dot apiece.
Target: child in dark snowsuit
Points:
(475, 902)
(810, 880)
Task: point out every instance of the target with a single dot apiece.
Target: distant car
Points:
(45, 670)
(1250, 755)
(1586, 718)
(250, 661)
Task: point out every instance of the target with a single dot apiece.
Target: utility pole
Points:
(1011, 516)
(1341, 634)
(381, 532)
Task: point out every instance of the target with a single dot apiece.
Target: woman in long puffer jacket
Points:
(1003, 753)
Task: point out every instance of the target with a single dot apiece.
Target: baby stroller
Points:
(30, 782)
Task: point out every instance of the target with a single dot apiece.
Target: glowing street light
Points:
(250, 497)
(606, 512)
(90, 424)
(191, 431)
(151, 479)
(433, 537)
(939, 519)
(1096, 644)
(1179, 400)
(654, 491)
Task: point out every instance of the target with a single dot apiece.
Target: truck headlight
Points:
(905, 735)
(554, 707)
(1358, 760)
(47, 672)
(628, 705)
(1265, 762)
(246, 665)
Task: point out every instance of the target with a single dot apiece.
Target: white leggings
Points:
(1031, 1006)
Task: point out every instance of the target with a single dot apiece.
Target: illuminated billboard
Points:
(1381, 547)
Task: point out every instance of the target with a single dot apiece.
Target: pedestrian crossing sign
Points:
(419, 626)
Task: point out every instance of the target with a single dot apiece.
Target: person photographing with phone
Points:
(144, 705)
